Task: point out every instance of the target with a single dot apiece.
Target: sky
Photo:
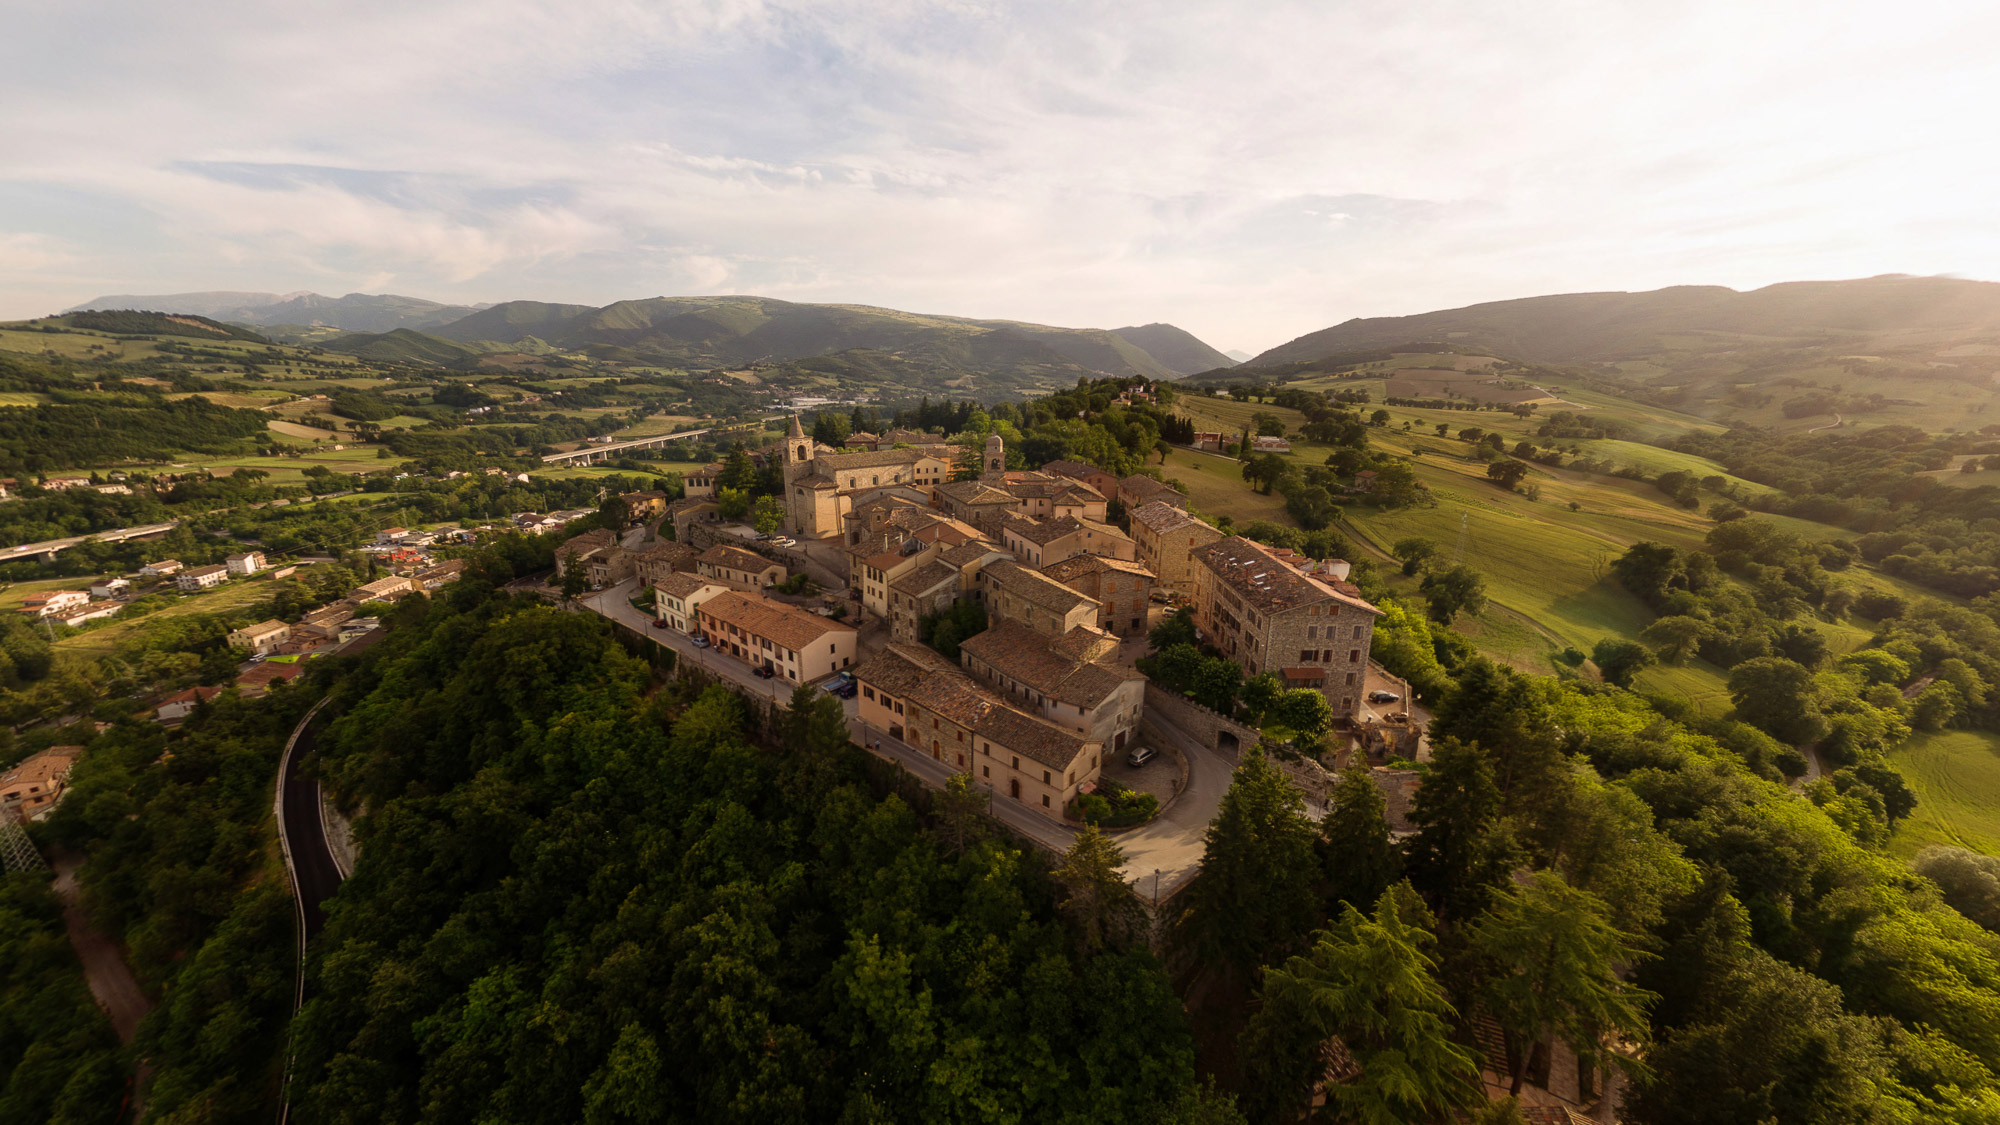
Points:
(1250, 172)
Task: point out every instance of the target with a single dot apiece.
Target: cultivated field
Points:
(1956, 776)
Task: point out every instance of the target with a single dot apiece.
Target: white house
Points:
(201, 578)
(245, 564)
(109, 588)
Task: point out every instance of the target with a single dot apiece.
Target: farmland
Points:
(1956, 776)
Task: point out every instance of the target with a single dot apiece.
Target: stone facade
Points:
(1013, 592)
(1257, 609)
(1039, 543)
(822, 485)
(1165, 538)
(1123, 590)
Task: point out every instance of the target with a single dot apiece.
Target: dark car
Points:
(1380, 696)
(662, 623)
(765, 672)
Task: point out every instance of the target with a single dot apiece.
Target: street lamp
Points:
(1156, 888)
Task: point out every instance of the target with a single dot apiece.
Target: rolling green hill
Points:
(1178, 349)
(1918, 350)
(729, 331)
(356, 312)
(405, 345)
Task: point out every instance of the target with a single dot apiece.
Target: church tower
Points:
(995, 462)
(798, 454)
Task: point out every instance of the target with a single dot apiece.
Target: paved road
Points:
(315, 875)
(615, 603)
(1172, 845)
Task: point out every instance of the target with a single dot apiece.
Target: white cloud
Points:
(1250, 172)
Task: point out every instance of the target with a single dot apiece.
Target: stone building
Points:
(1166, 538)
(1260, 611)
(1069, 680)
(918, 698)
(919, 593)
(822, 485)
(1124, 590)
(738, 569)
(1041, 542)
(1019, 593)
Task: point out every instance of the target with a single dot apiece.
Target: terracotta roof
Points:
(817, 482)
(263, 627)
(965, 554)
(666, 551)
(681, 583)
(735, 558)
(1019, 653)
(1076, 469)
(863, 436)
(205, 571)
(835, 462)
(1161, 517)
(921, 677)
(43, 767)
(976, 492)
(776, 621)
(589, 541)
(1043, 532)
(270, 672)
(191, 695)
(1266, 580)
(1037, 588)
(1080, 565)
(1145, 486)
(926, 578)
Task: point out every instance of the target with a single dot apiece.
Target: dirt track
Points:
(111, 982)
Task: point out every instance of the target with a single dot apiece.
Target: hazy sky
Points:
(1249, 171)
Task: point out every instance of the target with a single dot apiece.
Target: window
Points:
(1017, 761)
(1354, 656)
(1306, 655)
(1357, 632)
(829, 648)
(1328, 657)
(961, 738)
(1045, 800)
(986, 771)
(1312, 632)
(1350, 679)
(1045, 777)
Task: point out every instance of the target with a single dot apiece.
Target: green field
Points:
(1956, 776)
(103, 642)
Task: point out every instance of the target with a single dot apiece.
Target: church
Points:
(822, 484)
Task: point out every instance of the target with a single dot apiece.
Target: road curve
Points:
(302, 838)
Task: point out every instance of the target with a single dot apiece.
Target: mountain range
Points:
(1892, 313)
(356, 312)
(706, 331)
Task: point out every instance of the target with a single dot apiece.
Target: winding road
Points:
(1830, 425)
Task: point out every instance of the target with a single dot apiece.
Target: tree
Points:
(615, 511)
(1216, 683)
(1357, 858)
(1266, 471)
(1372, 983)
(1674, 638)
(1969, 881)
(1254, 897)
(1260, 692)
(1177, 628)
(1312, 506)
(738, 471)
(1414, 552)
(732, 503)
(1379, 418)
(1507, 472)
(1459, 853)
(574, 582)
(1452, 589)
(1306, 711)
(768, 514)
(1620, 660)
(1551, 959)
(958, 807)
(1095, 897)
(1776, 696)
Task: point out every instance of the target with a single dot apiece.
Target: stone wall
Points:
(1212, 730)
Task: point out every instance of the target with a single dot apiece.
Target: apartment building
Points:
(201, 578)
(1041, 542)
(737, 568)
(31, 790)
(52, 602)
(918, 593)
(677, 596)
(1262, 612)
(796, 645)
(920, 699)
(261, 639)
(1070, 681)
(245, 564)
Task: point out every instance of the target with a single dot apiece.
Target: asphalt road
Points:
(305, 836)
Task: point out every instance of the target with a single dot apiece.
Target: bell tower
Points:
(995, 461)
(798, 454)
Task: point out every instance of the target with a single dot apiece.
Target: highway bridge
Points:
(48, 548)
(585, 454)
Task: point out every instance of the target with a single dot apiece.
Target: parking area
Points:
(1161, 777)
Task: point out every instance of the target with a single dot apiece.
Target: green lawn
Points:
(231, 595)
(1956, 776)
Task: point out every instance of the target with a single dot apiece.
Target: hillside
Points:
(404, 345)
(1177, 349)
(356, 312)
(1918, 350)
(1882, 312)
(718, 331)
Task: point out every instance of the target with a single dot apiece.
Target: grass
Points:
(1956, 777)
(104, 642)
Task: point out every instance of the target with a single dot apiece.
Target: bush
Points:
(1115, 806)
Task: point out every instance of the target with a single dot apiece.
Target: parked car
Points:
(765, 672)
(1140, 755)
(701, 642)
(1380, 696)
(661, 623)
(842, 684)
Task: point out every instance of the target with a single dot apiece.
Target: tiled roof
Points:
(205, 571)
(735, 558)
(762, 617)
(1037, 588)
(1043, 532)
(921, 677)
(1266, 581)
(667, 552)
(976, 492)
(681, 583)
(269, 672)
(1075, 567)
(836, 462)
(589, 541)
(926, 578)
(264, 627)
(1161, 517)
(1019, 653)
(817, 482)
(1144, 485)
(43, 767)
(965, 554)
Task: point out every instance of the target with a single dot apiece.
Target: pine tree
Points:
(1254, 899)
(1355, 851)
(1459, 853)
(1095, 897)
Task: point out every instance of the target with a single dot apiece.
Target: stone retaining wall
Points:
(1203, 725)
